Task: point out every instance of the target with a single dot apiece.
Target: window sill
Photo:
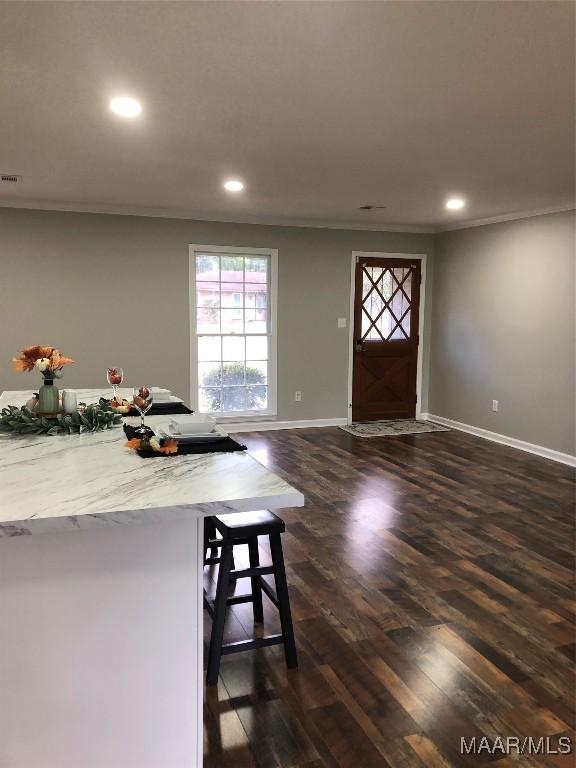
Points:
(240, 417)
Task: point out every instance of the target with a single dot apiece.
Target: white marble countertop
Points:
(66, 482)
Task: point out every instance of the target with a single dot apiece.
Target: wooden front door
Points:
(386, 308)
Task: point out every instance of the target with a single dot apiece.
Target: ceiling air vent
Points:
(10, 178)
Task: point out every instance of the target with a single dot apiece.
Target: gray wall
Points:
(503, 329)
(113, 290)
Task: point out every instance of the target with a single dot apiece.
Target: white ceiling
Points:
(320, 107)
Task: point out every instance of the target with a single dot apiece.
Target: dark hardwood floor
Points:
(431, 581)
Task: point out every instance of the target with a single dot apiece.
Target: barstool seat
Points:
(243, 525)
(244, 528)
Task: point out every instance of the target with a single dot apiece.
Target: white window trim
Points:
(236, 416)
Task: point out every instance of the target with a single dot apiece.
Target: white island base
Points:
(100, 648)
(101, 612)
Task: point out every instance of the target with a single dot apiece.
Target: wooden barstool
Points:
(244, 528)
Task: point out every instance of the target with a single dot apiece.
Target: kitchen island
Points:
(101, 595)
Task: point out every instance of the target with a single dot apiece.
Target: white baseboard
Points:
(265, 426)
(539, 450)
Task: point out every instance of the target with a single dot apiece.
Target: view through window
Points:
(233, 329)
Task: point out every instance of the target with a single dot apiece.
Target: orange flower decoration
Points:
(21, 365)
(59, 361)
(29, 355)
(169, 446)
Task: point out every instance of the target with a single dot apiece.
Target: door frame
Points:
(421, 257)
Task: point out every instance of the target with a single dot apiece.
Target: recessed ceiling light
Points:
(126, 106)
(455, 203)
(233, 185)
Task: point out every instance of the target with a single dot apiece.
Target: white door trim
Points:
(376, 255)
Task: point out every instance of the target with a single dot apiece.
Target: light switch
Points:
(341, 322)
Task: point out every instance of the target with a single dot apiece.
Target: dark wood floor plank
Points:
(432, 588)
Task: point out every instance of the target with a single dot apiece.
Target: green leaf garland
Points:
(22, 421)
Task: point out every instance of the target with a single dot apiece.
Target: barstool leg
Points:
(283, 601)
(206, 537)
(255, 581)
(217, 635)
(209, 533)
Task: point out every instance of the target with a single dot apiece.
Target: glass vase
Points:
(48, 398)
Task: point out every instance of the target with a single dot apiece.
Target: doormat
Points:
(391, 428)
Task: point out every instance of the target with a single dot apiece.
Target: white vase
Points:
(69, 401)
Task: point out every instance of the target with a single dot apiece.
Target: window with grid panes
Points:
(233, 332)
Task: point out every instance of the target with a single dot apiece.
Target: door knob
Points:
(358, 346)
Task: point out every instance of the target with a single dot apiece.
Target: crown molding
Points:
(166, 213)
(504, 217)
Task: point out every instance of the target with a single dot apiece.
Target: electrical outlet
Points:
(298, 397)
(341, 322)
(495, 405)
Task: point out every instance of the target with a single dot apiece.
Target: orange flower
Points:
(169, 446)
(58, 361)
(21, 365)
(134, 443)
(29, 355)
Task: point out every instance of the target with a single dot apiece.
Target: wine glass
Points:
(142, 400)
(115, 377)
